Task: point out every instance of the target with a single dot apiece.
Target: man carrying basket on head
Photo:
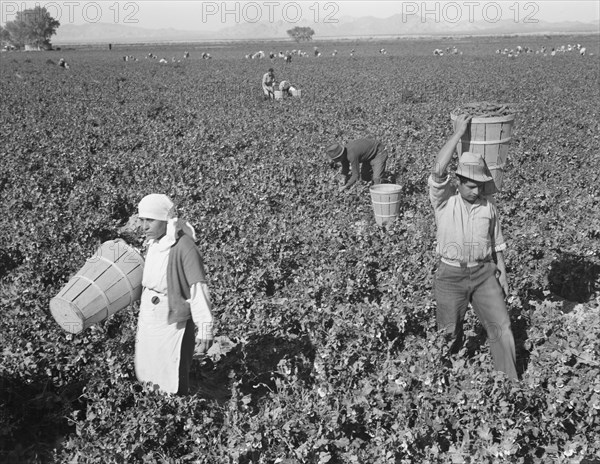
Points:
(367, 152)
(470, 246)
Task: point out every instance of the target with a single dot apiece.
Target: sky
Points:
(196, 15)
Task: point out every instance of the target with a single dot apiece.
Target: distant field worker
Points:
(268, 84)
(366, 153)
(175, 296)
(287, 88)
(470, 245)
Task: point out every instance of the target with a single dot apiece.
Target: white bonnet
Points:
(156, 206)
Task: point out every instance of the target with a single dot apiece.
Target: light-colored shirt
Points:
(267, 81)
(155, 278)
(466, 232)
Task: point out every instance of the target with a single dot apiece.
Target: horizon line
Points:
(328, 38)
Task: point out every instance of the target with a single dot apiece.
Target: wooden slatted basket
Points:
(490, 137)
(109, 281)
(385, 199)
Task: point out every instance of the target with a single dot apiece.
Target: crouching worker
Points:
(365, 153)
(470, 246)
(175, 297)
(286, 88)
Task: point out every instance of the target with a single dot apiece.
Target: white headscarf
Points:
(156, 206)
(160, 207)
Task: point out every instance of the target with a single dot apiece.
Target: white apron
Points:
(158, 344)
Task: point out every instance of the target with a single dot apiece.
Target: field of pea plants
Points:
(326, 346)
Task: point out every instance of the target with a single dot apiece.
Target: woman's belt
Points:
(156, 296)
(453, 263)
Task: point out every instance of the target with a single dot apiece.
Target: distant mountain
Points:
(396, 25)
(399, 25)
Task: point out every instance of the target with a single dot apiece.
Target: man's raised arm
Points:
(438, 171)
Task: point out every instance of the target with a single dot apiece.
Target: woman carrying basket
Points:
(175, 297)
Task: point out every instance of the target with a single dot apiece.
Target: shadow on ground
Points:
(34, 418)
(574, 277)
(254, 365)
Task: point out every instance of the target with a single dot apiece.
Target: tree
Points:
(301, 33)
(4, 37)
(32, 27)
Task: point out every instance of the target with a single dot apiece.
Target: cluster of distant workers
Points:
(152, 56)
(287, 55)
(519, 50)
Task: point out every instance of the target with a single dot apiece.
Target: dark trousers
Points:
(455, 288)
(375, 168)
(185, 361)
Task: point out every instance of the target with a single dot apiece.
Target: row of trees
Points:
(32, 27)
